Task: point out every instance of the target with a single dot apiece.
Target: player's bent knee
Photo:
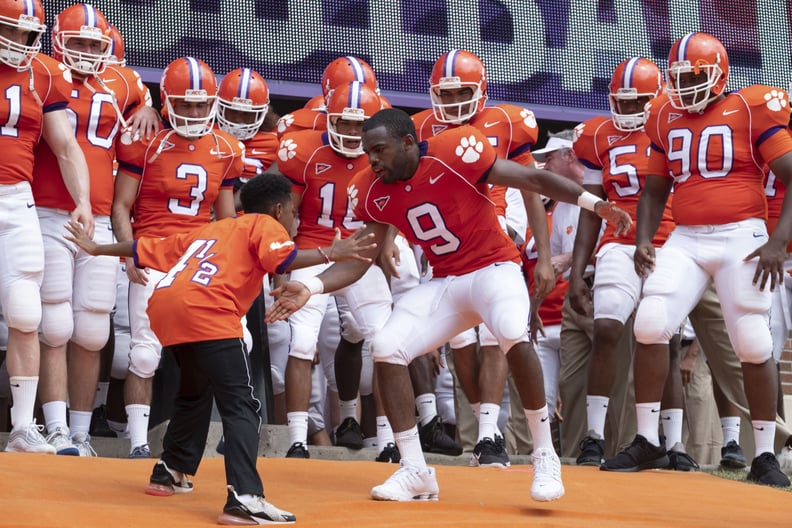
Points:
(143, 361)
(651, 323)
(383, 352)
(57, 323)
(753, 342)
(91, 329)
(23, 309)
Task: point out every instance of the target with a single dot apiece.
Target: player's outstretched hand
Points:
(79, 236)
(351, 247)
(289, 297)
(608, 211)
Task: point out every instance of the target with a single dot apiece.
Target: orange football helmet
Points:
(190, 80)
(86, 22)
(696, 54)
(117, 50)
(452, 71)
(353, 101)
(344, 70)
(26, 15)
(315, 103)
(634, 82)
(243, 90)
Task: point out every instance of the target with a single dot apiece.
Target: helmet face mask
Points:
(458, 87)
(21, 27)
(82, 39)
(243, 103)
(698, 70)
(189, 90)
(347, 109)
(634, 82)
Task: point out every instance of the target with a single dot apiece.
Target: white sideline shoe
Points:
(408, 484)
(547, 485)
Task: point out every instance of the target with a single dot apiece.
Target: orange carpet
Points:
(48, 491)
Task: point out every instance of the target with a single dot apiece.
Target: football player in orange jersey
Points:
(711, 147)
(429, 191)
(213, 275)
(320, 165)
(35, 105)
(313, 116)
(242, 106)
(615, 154)
(78, 290)
(458, 91)
(176, 181)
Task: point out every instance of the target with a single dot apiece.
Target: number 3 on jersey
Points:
(427, 224)
(190, 172)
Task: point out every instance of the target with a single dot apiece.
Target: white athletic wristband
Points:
(314, 284)
(587, 200)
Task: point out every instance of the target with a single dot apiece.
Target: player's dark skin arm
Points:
(589, 225)
(651, 205)
(773, 253)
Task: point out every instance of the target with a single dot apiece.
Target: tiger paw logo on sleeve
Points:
(776, 100)
(469, 149)
(287, 150)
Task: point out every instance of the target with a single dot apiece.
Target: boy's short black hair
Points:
(263, 192)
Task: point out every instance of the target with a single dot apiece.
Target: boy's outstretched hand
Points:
(351, 247)
(80, 237)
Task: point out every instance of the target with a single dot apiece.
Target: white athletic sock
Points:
(80, 421)
(648, 415)
(101, 394)
(54, 415)
(23, 396)
(596, 411)
(427, 407)
(410, 447)
(730, 425)
(488, 421)
(347, 409)
(764, 434)
(672, 426)
(137, 424)
(539, 424)
(384, 433)
(297, 422)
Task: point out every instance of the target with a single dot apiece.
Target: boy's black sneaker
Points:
(252, 510)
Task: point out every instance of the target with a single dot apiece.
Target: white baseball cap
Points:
(553, 144)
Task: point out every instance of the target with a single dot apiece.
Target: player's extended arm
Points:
(79, 236)
(294, 294)
(512, 174)
(341, 249)
(124, 195)
(59, 135)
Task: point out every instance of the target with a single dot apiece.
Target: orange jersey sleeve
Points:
(618, 161)
(550, 309)
(716, 158)
(321, 177)
(302, 119)
(22, 113)
(93, 108)
(261, 151)
(213, 275)
(180, 179)
(445, 207)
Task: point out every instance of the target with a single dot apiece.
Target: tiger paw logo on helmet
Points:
(470, 149)
(287, 150)
(776, 100)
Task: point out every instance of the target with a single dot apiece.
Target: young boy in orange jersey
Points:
(216, 271)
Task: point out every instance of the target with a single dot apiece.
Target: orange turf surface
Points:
(50, 491)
